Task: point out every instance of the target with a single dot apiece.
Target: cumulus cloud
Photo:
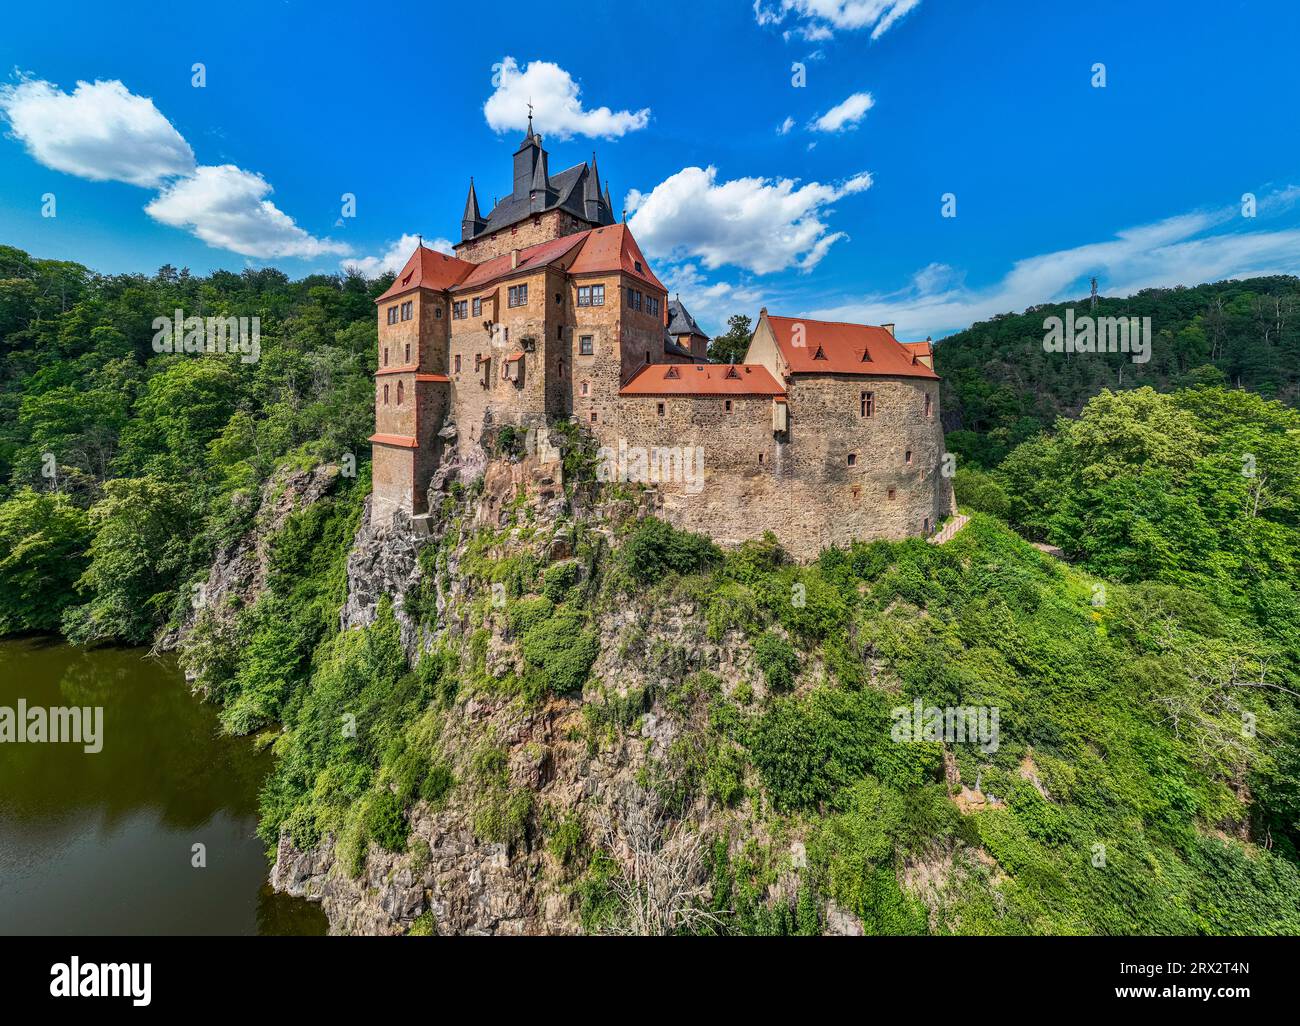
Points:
(557, 106)
(846, 115)
(100, 131)
(394, 259)
(226, 207)
(762, 225)
(1182, 250)
(785, 126)
(819, 19)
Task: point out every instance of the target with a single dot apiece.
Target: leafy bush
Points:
(655, 549)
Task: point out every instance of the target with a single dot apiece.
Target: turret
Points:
(472, 222)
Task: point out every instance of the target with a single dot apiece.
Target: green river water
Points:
(102, 843)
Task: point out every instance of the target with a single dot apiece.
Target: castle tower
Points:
(411, 383)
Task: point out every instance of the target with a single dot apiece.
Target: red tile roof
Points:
(836, 347)
(703, 379)
(404, 441)
(428, 269)
(530, 258)
(925, 348)
(612, 248)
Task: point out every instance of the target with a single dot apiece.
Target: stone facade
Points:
(828, 433)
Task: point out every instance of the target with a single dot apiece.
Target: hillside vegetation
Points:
(1144, 778)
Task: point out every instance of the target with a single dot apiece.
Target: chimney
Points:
(889, 328)
(514, 261)
(762, 312)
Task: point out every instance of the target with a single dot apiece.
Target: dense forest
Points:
(1149, 681)
(1000, 388)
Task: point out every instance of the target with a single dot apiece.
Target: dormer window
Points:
(866, 356)
(672, 372)
(637, 265)
(820, 354)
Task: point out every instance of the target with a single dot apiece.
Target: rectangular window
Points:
(392, 315)
(727, 406)
(661, 409)
(584, 295)
(868, 404)
(478, 308)
(892, 493)
(907, 457)
(408, 310)
(437, 312)
(927, 404)
(385, 356)
(458, 310)
(598, 295)
(408, 352)
(586, 345)
(457, 363)
(584, 388)
(593, 416)
(853, 459)
(517, 295)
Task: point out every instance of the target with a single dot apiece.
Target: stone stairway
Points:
(949, 529)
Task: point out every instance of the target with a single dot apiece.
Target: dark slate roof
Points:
(680, 322)
(567, 187)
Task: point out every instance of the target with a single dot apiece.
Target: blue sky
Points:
(840, 215)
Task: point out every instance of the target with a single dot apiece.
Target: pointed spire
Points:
(541, 179)
(472, 222)
(471, 204)
(591, 193)
(609, 205)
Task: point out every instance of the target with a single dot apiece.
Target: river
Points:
(104, 843)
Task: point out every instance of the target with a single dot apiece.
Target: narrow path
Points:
(949, 529)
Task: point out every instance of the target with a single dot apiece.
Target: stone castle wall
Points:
(800, 485)
(538, 228)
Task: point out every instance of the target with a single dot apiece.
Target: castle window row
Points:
(517, 295)
(591, 295)
(401, 393)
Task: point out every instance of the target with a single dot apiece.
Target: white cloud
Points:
(226, 207)
(396, 256)
(785, 126)
(557, 108)
(1183, 250)
(818, 19)
(760, 224)
(846, 115)
(100, 131)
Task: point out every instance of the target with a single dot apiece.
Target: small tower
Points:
(591, 193)
(472, 222)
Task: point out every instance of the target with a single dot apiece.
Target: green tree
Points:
(732, 346)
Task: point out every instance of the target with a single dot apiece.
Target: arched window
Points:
(399, 393)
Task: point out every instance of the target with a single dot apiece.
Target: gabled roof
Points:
(721, 379)
(428, 269)
(837, 347)
(925, 348)
(612, 248)
(680, 322)
(530, 258)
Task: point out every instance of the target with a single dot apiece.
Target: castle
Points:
(827, 433)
